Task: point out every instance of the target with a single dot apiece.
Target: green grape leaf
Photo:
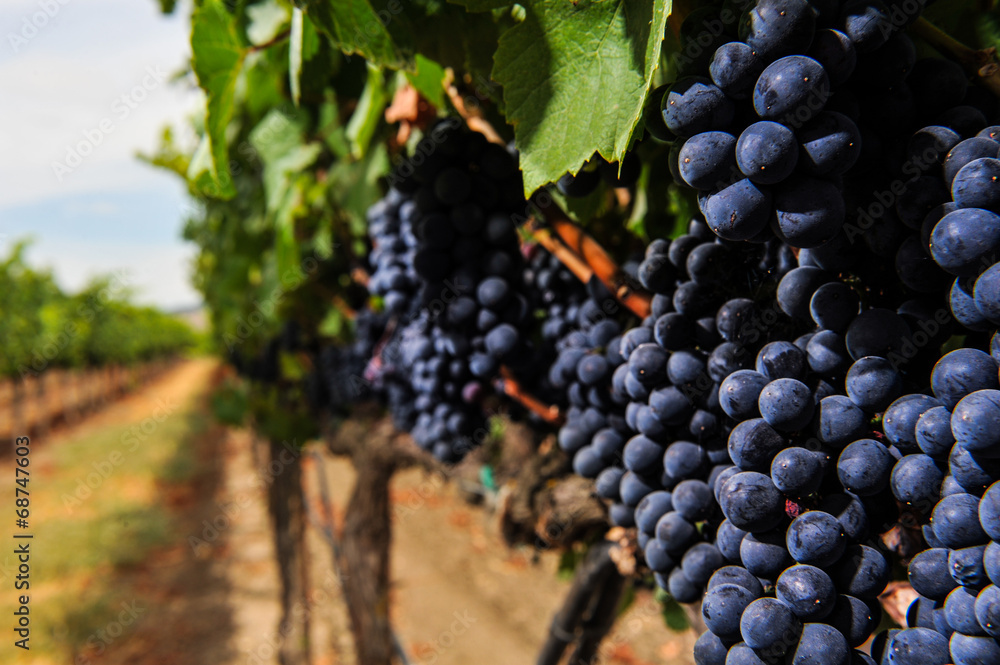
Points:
(355, 27)
(575, 77)
(427, 79)
(218, 55)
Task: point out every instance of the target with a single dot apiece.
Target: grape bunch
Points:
(471, 305)
(394, 243)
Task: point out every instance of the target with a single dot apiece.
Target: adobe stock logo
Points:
(30, 25)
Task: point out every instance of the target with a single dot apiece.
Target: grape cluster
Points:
(394, 243)
(473, 311)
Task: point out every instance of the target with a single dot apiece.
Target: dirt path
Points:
(459, 594)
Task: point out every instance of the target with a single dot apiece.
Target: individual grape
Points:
(987, 294)
(864, 467)
(587, 462)
(809, 211)
(956, 521)
(974, 185)
(751, 502)
(767, 152)
(987, 610)
(864, 22)
(827, 354)
(781, 360)
(709, 649)
(821, 644)
(835, 51)
(708, 160)
(693, 105)
(737, 211)
(753, 444)
(918, 646)
(648, 364)
(971, 650)
(797, 471)
(833, 306)
(960, 613)
(839, 421)
(633, 488)
(815, 538)
(769, 625)
(735, 68)
(872, 383)
(684, 459)
(738, 394)
(807, 591)
(862, 572)
(854, 619)
(966, 241)
(792, 88)
(991, 562)
(975, 422)
(700, 562)
(736, 575)
(722, 607)
(830, 144)
(989, 511)
(642, 455)
(916, 480)
(773, 28)
(929, 574)
(675, 532)
(786, 404)
(729, 539)
(966, 566)
(607, 483)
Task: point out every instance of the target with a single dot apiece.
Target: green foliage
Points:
(43, 327)
(673, 614)
(575, 78)
(218, 55)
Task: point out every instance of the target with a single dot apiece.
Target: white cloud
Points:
(58, 87)
(89, 67)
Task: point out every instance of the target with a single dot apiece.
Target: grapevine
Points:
(749, 295)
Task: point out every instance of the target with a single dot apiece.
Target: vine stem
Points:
(573, 261)
(512, 389)
(982, 63)
(278, 38)
(596, 257)
(473, 118)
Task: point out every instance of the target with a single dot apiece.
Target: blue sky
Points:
(89, 76)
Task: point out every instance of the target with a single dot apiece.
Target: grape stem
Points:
(510, 387)
(573, 261)
(982, 63)
(596, 257)
(473, 118)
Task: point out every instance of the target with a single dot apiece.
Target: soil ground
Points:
(205, 589)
